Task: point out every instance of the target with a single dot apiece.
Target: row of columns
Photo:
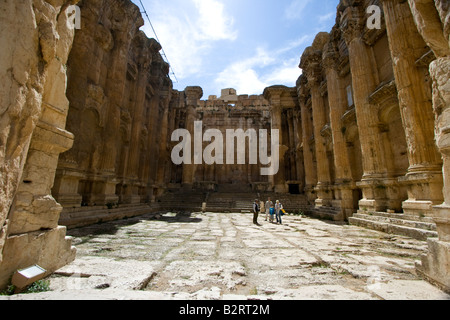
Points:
(322, 63)
(120, 96)
(349, 61)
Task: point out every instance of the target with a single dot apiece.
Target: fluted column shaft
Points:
(424, 175)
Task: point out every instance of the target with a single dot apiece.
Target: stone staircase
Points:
(84, 216)
(230, 202)
(326, 213)
(291, 203)
(416, 227)
(184, 200)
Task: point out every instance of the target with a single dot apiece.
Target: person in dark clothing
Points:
(256, 209)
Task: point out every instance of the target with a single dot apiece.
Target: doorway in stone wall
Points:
(294, 189)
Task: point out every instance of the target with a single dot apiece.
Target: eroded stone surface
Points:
(172, 258)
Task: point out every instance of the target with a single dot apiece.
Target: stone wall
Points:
(36, 38)
(367, 115)
(364, 130)
(120, 95)
(275, 109)
(433, 23)
(373, 105)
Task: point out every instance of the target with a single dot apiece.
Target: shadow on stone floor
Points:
(111, 227)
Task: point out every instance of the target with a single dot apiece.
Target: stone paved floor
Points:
(224, 256)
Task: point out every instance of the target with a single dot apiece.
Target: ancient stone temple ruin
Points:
(87, 116)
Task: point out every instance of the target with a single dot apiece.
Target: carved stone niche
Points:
(348, 118)
(385, 94)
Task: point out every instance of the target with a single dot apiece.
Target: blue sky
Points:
(242, 44)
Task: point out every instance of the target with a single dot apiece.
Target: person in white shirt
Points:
(278, 208)
(269, 204)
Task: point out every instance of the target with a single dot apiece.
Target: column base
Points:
(324, 195)
(281, 188)
(441, 216)
(101, 193)
(65, 188)
(310, 194)
(424, 192)
(344, 199)
(132, 199)
(435, 266)
(50, 249)
(382, 195)
(418, 208)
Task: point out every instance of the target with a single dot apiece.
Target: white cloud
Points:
(213, 23)
(188, 29)
(252, 75)
(327, 17)
(242, 75)
(295, 9)
(286, 74)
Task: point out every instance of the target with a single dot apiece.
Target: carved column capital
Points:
(330, 57)
(193, 94)
(311, 63)
(352, 23)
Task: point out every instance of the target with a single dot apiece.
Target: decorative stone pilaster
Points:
(424, 177)
(140, 80)
(311, 65)
(193, 95)
(307, 135)
(338, 104)
(364, 77)
(299, 157)
(163, 152)
(33, 134)
(273, 95)
(433, 22)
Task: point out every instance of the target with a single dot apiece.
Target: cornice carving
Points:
(352, 23)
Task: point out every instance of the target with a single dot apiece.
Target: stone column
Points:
(279, 180)
(163, 152)
(153, 124)
(364, 78)
(273, 95)
(193, 95)
(298, 137)
(104, 183)
(338, 104)
(311, 65)
(433, 22)
(138, 114)
(87, 60)
(130, 176)
(424, 177)
(310, 169)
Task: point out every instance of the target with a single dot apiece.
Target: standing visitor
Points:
(269, 204)
(278, 208)
(256, 209)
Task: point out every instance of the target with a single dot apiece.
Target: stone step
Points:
(328, 213)
(416, 233)
(399, 216)
(87, 216)
(397, 220)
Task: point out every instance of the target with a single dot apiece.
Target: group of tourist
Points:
(272, 211)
